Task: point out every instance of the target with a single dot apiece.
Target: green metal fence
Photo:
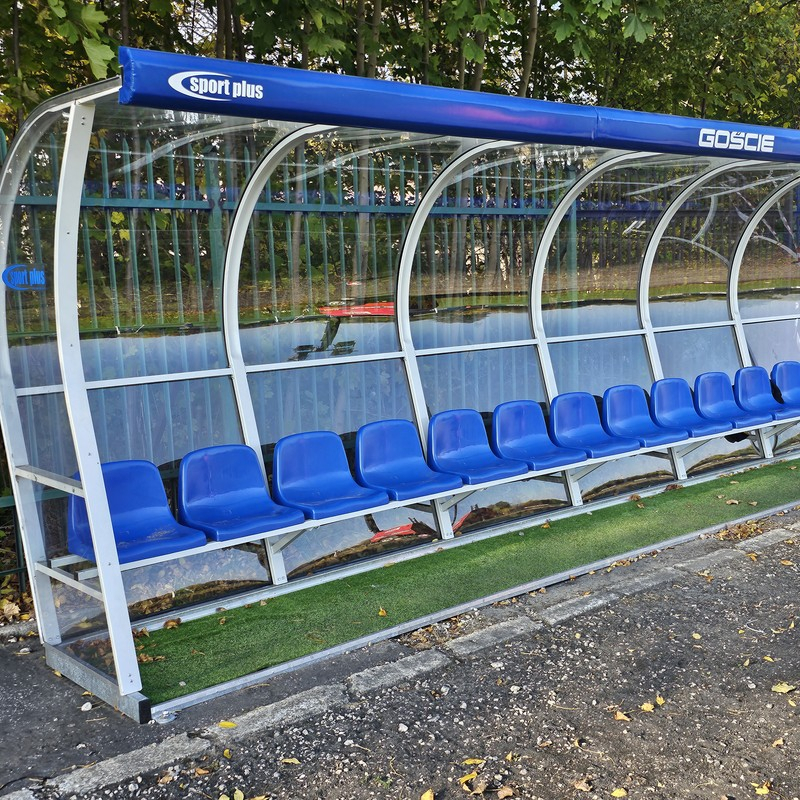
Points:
(159, 232)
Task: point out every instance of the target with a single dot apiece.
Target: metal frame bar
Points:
(237, 240)
(408, 252)
(536, 309)
(65, 289)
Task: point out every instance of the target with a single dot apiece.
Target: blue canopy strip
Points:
(217, 86)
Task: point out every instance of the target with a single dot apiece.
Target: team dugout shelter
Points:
(266, 327)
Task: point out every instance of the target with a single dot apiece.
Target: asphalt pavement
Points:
(674, 675)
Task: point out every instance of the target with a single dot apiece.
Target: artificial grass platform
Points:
(237, 642)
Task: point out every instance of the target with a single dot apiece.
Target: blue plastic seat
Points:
(389, 457)
(671, 405)
(221, 491)
(141, 518)
(713, 397)
(310, 472)
(753, 392)
(626, 413)
(575, 422)
(519, 432)
(786, 377)
(457, 443)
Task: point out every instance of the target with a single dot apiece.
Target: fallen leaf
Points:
(223, 620)
(660, 700)
(381, 612)
(621, 716)
(619, 793)
(783, 688)
(763, 789)
(227, 724)
(731, 502)
(504, 791)
(289, 761)
(746, 662)
(752, 502)
(238, 795)
(224, 797)
(546, 525)
(479, 785)
(697, 636)
(172, 623)
(734, 481)
(226, 753)
(583, 785)
(752, 556)
(778, 743)
(640, 505)
(770, 659)
(469, 761)
(720, 496)
(787, 563)
(467, 778)
(166, 779)
(427, 795)
(792, 703)
(200, 771)
(647, 707)
(510, 755)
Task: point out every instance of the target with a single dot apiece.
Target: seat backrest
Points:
(752, 383)
(136, 499)
(670, 395)
(786, 376)
(387, 441)
(456, 430)
(228, 473)
(518, 419)
(624, 404)
(712, 388)
(308, 459)
(574, 413)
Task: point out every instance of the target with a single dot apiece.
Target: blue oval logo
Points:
(24, 277)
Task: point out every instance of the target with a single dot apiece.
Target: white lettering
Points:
(736, 140)
(214, 86)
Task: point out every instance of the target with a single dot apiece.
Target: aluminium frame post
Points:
(237, 239)
(562, 208)
(764, 443)
(408, 250)
(68, 344)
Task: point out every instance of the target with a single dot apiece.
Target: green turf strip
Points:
(203, 652)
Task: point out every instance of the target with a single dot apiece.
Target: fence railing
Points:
(153, 237)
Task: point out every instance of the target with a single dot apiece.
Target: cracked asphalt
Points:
(669, 677)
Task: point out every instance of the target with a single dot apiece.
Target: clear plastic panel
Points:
(160, 188)
(690, 274)
(48, 438)
(340, 543)
(335, 397)
(319, 268)
(517, 501)
(719, 453)
(769, 277)
(591, 279)
(770, 342)
(171, 585)
(624, 476)
(472, 274)
(481, 379)
(685, 354)
(595, 365)
(161, 422)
